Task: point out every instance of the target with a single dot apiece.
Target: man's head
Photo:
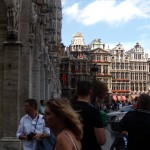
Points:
(30, 106)
(134, 102)
(84, 88)
(42, 102)
(143, 101)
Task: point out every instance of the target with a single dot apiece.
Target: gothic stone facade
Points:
(30, 47)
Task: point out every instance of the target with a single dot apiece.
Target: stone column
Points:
(11, 93)
(35, 75)
(46, 85)
(42, 82)
(3, 36)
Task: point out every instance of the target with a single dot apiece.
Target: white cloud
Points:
(63, 2)
(108, 11)
(72, 11)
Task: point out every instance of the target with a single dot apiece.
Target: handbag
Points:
(46, 144)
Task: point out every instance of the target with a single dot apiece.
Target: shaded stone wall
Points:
(27, 68)
(3, 35)
(11, 86)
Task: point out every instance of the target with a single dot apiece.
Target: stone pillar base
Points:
(10, 143)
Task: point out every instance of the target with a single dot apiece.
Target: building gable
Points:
(100, 51)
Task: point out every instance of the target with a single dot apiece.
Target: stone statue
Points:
(13, 21)
(34, 18)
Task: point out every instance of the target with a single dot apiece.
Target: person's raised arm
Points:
(100, 135)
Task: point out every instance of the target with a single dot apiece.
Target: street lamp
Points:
(94, 69)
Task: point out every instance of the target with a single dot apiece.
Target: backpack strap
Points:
(36, 123)
(75, 146)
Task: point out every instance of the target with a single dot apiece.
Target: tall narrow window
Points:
(113, 75)
(105, 58)
(136, 87)
(113, 65)
(105, 69)
(136, 76)
(117, 65)
(132, 86)
(122, 75)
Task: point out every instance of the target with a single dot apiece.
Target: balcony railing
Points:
(103, 75)
(102, 61)
(120, 91)
(121, 80)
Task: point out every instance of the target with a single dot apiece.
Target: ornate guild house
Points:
(125, 72)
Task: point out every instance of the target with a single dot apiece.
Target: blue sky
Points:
(112, 21)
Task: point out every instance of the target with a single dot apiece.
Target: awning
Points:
(123, 98)
(114, 98)
(119, 98)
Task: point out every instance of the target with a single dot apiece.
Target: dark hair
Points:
(136, 98)
(32, 103)
(144, 101)
(42, 102)
(84, 88)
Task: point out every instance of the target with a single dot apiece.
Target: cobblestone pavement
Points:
(109, 138)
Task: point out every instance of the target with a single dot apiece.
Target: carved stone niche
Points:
(12, 35)
(31, 37)
(42, 19)
(44, 8)
(38, 2)
(9, 3)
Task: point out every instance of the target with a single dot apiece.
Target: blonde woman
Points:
(65, 124)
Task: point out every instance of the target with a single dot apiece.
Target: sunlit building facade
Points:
(126, 73)
(102, 58)
(139, 70)
(75, 65)
(120, 73)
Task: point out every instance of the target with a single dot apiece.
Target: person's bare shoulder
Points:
(62, 142)
(61, 136)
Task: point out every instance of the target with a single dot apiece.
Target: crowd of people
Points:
(62, 124)
(116, 105)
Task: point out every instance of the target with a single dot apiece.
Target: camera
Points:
(30, 136)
